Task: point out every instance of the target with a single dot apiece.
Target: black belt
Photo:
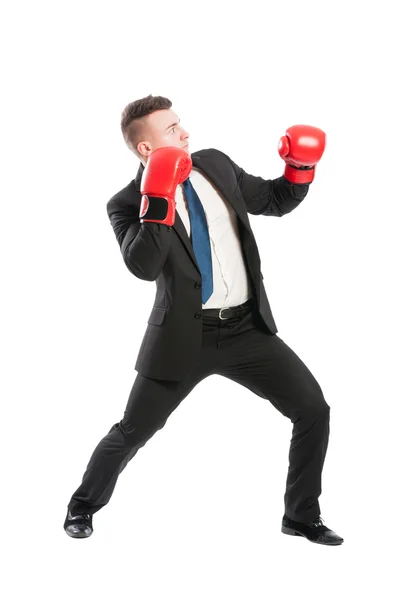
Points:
(231, 312)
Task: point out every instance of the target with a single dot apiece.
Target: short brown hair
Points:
(132, 118)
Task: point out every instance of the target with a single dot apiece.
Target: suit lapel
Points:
(227, 190)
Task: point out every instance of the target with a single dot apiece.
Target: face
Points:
(162, 128)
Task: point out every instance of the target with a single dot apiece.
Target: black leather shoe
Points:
(78, 526)
(315, 531)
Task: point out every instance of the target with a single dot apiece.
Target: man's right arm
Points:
(144, 246)
(144, 236)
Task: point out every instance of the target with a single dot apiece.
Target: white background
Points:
(197, 513)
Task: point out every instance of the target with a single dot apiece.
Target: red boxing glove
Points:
(166, 168)
(301, 148)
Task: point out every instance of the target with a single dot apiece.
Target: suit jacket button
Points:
(197, 315)
(197, 284)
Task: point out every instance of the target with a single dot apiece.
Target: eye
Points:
(172, 129)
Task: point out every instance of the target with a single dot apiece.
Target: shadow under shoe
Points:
(315, 531)
(78, 526)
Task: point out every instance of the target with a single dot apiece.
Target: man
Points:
(183, 222)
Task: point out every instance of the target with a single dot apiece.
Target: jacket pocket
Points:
(157, 316)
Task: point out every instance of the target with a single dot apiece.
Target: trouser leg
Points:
(264, 364)
(150, 403)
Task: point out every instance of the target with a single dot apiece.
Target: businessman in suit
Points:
(183, 222)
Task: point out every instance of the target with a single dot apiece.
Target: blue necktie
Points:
(200, 239)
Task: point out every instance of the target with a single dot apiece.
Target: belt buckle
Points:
(219, 314)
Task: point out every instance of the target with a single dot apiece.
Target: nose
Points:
(184, 134)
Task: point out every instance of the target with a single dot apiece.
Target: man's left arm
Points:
(270, 197)
(301, 148)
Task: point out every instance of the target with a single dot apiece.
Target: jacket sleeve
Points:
(269, 197)
(144, 246)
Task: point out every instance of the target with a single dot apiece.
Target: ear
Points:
(144, 148)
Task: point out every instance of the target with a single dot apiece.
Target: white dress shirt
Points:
(231, 284)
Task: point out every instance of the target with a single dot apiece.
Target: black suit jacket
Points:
(164, 254)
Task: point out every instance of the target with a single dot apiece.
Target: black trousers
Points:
(242, 350)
